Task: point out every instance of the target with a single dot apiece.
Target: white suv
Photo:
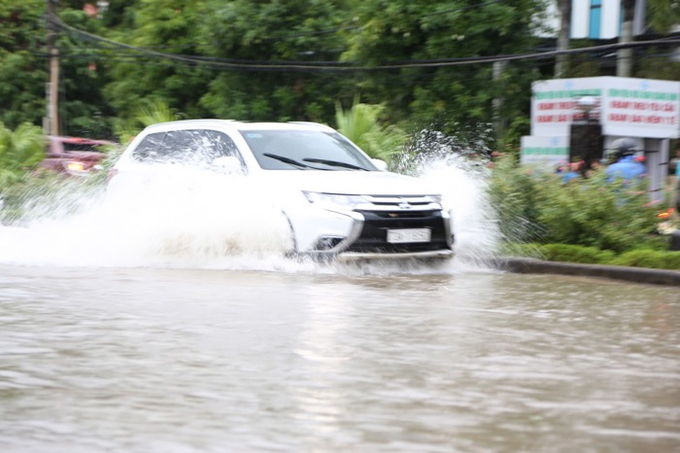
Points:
(339, 202)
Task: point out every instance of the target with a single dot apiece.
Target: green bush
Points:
(28, 192)
(672, 260)
(528, 250)
(594, 213)
(46, 194)
(577, 254)
(534, 204)
(20, 151)
(561, 252)
(514, 191)
(649, 258)
(592, 255)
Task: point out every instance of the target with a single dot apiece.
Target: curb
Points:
(630, 274)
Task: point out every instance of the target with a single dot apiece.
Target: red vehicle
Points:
(73, 155)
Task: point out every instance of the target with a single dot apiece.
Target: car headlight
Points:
(334, 201)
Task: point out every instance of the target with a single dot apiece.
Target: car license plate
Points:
(408, 235)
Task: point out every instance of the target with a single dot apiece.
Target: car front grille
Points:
(373, 236)
(383, 202)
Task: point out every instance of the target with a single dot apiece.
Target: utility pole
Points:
(497, 102)
(53, 85)
(563, 37)
(624, 59)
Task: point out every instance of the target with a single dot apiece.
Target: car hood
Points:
(349, 182)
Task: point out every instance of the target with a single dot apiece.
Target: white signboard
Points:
(625, 107)
(646, 108)
(544, 151)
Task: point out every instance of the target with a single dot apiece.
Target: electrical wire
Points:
(356, 27)
(217, 63)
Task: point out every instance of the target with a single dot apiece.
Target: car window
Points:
(295, 149)
(150, 148)
(190, 147)
(218, 144)
(80, 147)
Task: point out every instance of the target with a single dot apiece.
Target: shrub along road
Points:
(630, 274)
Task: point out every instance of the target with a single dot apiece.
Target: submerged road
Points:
(334, 359)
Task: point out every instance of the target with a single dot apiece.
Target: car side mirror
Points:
(381, 164)
(228, 164)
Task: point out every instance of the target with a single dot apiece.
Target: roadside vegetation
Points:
(587, 220)
(142, 62)
(362, 125)
(20, 152)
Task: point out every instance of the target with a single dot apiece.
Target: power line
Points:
(270, 65)
(463, 8)
(356, 27)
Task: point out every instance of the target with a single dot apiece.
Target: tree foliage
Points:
(361, 124)
(22, 73)
(20, 151)
(663, 14)
(137, 51)
(445, 30)
(265, 32)
(226, 34)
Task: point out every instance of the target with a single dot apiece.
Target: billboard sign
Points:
(545, 151)
(623, 106)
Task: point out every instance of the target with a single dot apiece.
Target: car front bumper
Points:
(361, 234)
(433, 255)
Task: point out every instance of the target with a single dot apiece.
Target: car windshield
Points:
(80, 147)
(305, 150)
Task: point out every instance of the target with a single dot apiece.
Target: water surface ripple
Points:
(162, 360)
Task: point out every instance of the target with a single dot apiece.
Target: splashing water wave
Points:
(200, 219)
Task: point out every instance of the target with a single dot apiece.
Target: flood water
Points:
(130, 327)
(177, 360)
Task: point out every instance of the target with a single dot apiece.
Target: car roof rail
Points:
(312, 123)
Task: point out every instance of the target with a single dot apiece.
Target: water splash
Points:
(199, 219)
(458, 166)
(196, 220)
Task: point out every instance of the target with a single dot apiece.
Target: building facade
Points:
(597, 19)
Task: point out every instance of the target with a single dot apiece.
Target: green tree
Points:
(151, 29)
(394, 31)
(236, 44)
(266, 32)
(83, 109)
(663, 14)
(23, 51)
(20, 151)
(361, 125)
(22, 72)
(146, 113)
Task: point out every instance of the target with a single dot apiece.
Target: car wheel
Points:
(291, 251)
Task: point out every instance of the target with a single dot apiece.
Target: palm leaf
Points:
(361, 125)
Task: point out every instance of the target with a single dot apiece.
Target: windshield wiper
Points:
(289, 161)
(334, 163)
